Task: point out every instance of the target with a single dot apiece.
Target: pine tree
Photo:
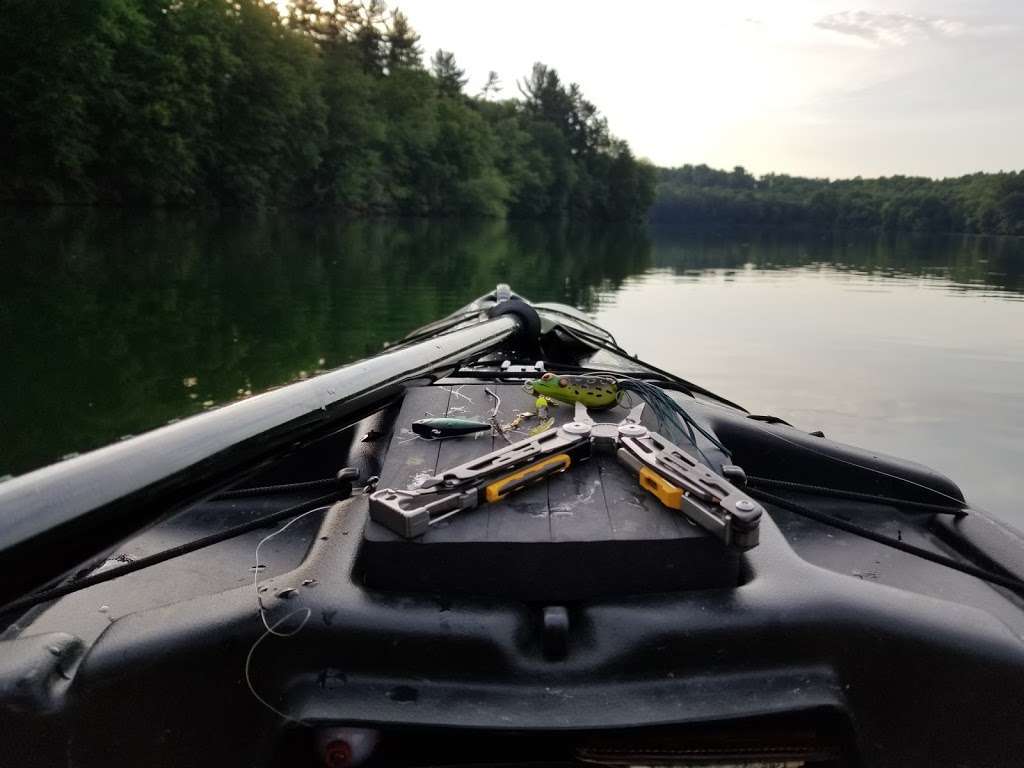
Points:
(403, 50)
(450, 78)
(492, 86)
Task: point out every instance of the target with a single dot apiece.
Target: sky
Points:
(808, 87)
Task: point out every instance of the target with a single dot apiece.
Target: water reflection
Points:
(993, 265)
(908, 346)
(116, 322)
(112, 323)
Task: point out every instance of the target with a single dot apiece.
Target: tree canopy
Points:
(236, 103)
(696, 195)
(231, 102)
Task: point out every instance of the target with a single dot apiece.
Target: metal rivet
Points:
(576, 428)
(632, 430)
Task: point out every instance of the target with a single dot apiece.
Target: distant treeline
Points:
(200, 102)
(990, 203)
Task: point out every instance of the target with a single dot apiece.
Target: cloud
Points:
(892, 28)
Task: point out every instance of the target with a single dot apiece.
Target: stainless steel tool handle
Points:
(506, 459)
(410, 515)
(681, 482)
(486, 479)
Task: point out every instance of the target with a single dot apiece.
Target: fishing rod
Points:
(72, 511)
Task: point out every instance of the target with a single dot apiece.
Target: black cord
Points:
(617, 350)
(994, 578)
(582, 321)
(465, 371)
(580, 334)
(270, 490)
(819, 490)
(23, 603)
(446, 324)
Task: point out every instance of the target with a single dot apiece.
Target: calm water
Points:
(113, 323)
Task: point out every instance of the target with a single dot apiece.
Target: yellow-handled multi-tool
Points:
(672, 475)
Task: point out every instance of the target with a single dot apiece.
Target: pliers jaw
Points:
(605, 437)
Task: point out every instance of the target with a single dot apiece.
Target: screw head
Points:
(576, 428)
(633, 430)
(745, 505)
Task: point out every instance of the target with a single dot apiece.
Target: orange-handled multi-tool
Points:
(671, 474)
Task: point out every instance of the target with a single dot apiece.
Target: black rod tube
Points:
(72, 508)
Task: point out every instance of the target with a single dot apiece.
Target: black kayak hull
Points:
(578, 624)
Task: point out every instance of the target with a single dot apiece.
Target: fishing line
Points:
(582, 321)
(963, 504)
(612, 346)
(256, 567)
(458, 393)
(403, 441)
(993, 578)
(53, 593)
(271, 630)
(620, 352)
(842, 493)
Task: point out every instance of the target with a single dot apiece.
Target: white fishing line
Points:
(256, 567)
(458, 393)
(272, 630)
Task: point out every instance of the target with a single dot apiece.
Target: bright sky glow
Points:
(924, 87)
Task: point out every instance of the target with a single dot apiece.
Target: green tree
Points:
(403, 50)
(270, 122)
(196, 102)
(492, 87)
(451, 79)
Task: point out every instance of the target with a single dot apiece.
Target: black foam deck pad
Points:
(588, 532)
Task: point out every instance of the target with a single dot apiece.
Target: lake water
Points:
(112, 323)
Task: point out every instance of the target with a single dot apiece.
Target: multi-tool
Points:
(678, 480)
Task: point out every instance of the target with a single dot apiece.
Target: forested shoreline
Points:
(699, 196)
(238, 103)
(207, 102)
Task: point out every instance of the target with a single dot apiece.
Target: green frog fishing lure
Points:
(592, 391)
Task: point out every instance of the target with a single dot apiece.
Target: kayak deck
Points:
(588, 532)
(566, 625)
